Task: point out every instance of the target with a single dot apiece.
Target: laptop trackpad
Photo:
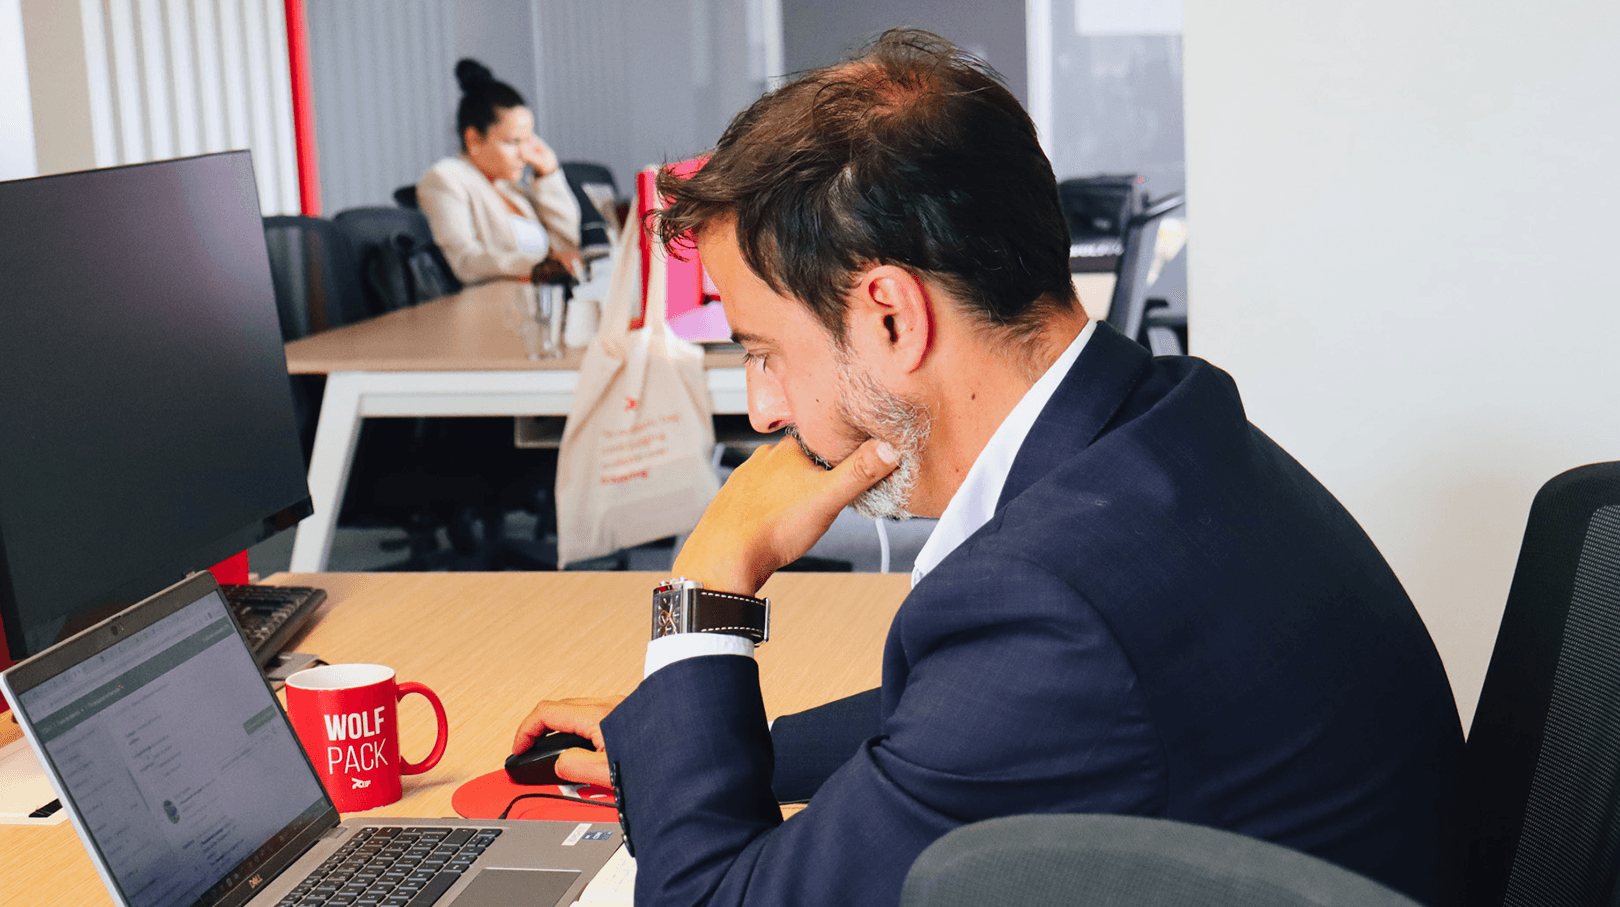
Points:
(517, 888)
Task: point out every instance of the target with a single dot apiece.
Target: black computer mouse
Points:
(538, 763)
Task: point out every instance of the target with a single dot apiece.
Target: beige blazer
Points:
(474, 226)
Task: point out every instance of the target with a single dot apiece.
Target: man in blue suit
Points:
(1134, 602)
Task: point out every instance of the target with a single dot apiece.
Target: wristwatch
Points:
(682, 605)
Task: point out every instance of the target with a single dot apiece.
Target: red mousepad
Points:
(487, 796)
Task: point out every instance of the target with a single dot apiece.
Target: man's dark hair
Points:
(483, 97)
(912, 154)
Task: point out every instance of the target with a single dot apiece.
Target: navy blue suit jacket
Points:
(1166, 616)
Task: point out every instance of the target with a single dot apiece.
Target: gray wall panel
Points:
(384, 94)
(819, 32)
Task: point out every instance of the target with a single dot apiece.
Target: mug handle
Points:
(417, 768)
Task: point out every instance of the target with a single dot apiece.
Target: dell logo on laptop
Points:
(256, 881)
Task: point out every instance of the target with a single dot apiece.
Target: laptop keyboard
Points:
(270, 615)
(392, 867)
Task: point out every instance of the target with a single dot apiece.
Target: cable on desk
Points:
(611, 804)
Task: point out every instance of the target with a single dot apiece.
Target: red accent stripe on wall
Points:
(303, 109)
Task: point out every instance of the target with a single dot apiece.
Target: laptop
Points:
(186, 783)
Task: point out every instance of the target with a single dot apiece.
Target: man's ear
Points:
(891, 319)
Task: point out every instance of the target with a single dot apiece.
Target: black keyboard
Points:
(270, 615)
(384, 866)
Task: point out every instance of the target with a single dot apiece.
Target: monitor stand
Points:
(286, 664)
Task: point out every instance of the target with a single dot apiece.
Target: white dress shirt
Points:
(969, 508)
(975, 501)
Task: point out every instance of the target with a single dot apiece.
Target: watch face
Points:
(668, 617)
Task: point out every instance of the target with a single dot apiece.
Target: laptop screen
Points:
(175, 757)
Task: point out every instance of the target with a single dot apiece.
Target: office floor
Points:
(851, 539)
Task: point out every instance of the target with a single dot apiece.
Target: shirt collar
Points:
(975, 500)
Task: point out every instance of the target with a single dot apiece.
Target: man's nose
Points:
(767, 406)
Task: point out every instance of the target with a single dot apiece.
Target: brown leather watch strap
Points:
(725, 612)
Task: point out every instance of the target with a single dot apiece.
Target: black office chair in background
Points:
(1131, 307)
(400, 264)
(1544, 747)
(592, 182)
(1113, 227)
(464, 473)
(1126, 861)
(1164, 318)
(405, 196)
(312, 293)
(317, 283)
(398, 478)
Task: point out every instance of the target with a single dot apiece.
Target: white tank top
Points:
(531, 237)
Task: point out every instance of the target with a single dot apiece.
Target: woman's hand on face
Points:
(538, 154)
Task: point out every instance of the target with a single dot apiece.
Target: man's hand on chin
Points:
(772, 510)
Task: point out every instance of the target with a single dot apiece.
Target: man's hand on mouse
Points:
(576, 716)
(772, 510)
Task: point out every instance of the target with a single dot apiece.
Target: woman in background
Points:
(489, 221)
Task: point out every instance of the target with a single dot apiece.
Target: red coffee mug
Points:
(346, 717)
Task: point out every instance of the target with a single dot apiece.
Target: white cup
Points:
(581, 323)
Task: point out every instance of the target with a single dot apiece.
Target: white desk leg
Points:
(335, 437)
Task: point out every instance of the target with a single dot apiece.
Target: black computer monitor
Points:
(146, 421)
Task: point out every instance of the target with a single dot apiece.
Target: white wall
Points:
(126, 81)
(1405, 213)
(16, 113)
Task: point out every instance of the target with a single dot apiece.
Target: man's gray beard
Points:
(873, 410)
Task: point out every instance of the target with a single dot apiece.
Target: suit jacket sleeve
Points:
(973, 677)
(812, 744)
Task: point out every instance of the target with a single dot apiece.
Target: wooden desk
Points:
(457, 356)
(491, 645)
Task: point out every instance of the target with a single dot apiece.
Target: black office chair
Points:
(1164, 319)
(397, 479)
(1126, 861)
(1129, 307)
(462, 473)
(300, 262)
(399, 261)
(586, 178)
(316, 275)
(1544, 748)
(405, 196)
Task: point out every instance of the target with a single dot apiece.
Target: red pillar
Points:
(303, 109)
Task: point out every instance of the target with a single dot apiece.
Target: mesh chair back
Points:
(316, 275)
(1126, 861)
(1544, 749)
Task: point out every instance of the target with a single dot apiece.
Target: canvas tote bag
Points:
(634, 465)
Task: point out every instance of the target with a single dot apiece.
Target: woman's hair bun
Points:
(470, 73)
